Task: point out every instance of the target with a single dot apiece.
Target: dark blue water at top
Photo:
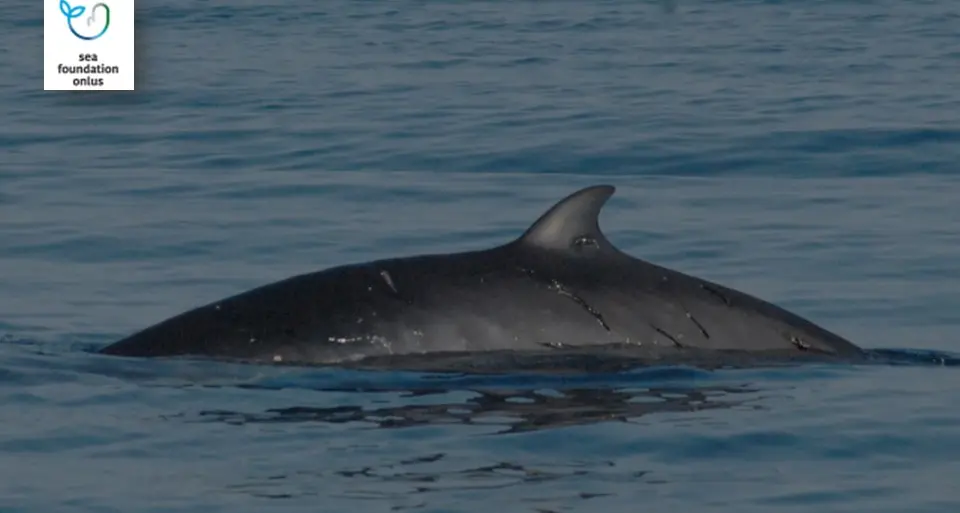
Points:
(803, 151)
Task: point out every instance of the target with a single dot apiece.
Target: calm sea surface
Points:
(805, 151)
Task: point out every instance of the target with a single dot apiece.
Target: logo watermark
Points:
(88, 45)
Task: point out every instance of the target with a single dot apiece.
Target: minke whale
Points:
(562, 284)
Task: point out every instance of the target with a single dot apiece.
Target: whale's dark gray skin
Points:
(561, 285)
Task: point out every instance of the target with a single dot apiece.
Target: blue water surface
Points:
(803, 151)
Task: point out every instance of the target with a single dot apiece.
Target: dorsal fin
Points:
(573, 220)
